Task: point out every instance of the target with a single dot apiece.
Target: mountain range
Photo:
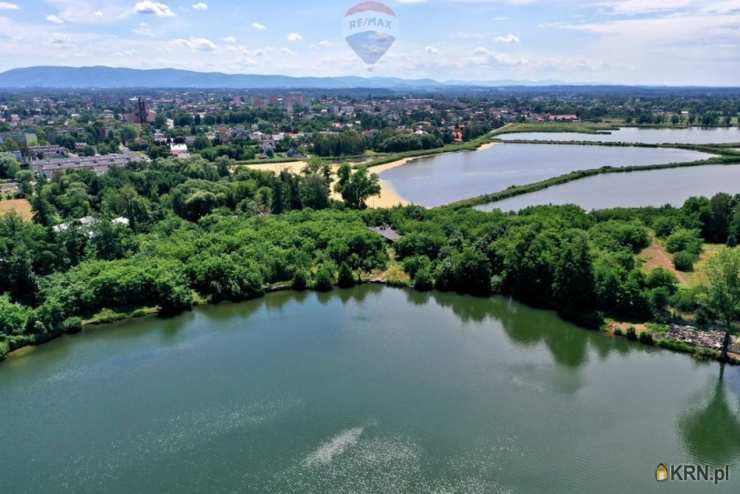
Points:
(100, 77)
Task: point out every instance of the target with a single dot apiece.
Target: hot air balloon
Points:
(370, 29)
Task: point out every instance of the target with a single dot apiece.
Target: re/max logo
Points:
(693, 473)
(365, 22)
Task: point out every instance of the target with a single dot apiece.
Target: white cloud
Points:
(294, 37)
(670, 29)
(230, 40)
(8, 6)
(635, 7)
(508, 39)
(198, 44)
(287, 51)
(258, 26)
(324, 43)
(431, 50)
(481, 52)
(723, 7)
(143, 29)
(54, 19)
(92, 11)
(202, 6)
(153, 8)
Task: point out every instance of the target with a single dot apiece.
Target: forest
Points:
(173, 234)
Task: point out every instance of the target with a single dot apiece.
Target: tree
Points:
(13, 317)
(346, 279)
(8, 166)
(721, 209)
(112, 241)
(43, 211)
(200, 204)
(314, 192)
(356, 187)
(723, 292)
(424, 280)
(684, 240)
(25, 182)
(684, 261)
(573, 284)
(128, 203)
(324, 279)
(278, 197)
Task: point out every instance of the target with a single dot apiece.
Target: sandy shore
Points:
(388, 196)
(290, 166)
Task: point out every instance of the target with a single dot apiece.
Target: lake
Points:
(636, 135)
(369, 390)
(637, 189)
(451, 177)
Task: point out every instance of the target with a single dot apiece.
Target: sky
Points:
(662, 42)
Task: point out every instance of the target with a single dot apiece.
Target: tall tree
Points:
(356, 187)
(723, 292)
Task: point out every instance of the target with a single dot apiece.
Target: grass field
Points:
(580, 127)
(21, 207)
(656, 256)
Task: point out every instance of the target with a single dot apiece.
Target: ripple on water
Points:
(352, 461)
(333, 447)
(179, 434)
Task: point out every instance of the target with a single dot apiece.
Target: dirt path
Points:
(656, 257)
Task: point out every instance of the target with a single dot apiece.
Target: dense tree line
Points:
(197, 230)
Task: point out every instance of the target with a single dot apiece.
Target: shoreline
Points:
(518, 190)
(606, 328)
(388, 197)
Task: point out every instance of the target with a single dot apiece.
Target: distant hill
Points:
(113, 78)
(101, 77)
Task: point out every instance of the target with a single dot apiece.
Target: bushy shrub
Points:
(684, 240)
(646, 338)
(300, 280)
(323, 279)
(72, 325)
(659, 300)
(662, 278)
(13, 317)
(345, 278)
(685, 300)
(412, 265)
(684, 261)
(424, 280)
(468, 271)
(665, 226)
(631, 333)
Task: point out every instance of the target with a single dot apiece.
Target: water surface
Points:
(450, 177)
(636, 135)
(636, 189)
(360, 391)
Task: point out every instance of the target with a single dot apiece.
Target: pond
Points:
(450, 177)
(636, 189)
(360, 391)
(636, 135)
